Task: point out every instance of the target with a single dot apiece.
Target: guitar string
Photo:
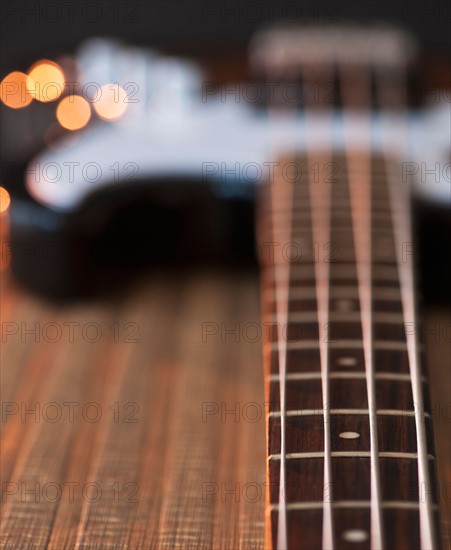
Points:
(399, 194)
(282, 273)
(282, 300)
(356, 88)
(320, 197)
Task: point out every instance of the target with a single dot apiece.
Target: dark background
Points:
(31, 28)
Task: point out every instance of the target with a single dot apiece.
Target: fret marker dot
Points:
(355, 535)
(347, 361)
(349, 435)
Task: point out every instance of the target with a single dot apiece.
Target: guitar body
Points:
(66, 229)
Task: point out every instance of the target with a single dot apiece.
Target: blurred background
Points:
(195, 27)
(215, 36)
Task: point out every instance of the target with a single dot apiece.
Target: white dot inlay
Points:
(355, 535)
(347, 361)
(349, 435)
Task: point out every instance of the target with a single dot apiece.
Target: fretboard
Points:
(350, 453)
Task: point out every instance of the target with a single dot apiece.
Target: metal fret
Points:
(341, 316)
(395, 377)
(381, 293)
(388, 505)
(348, 454)
(343, 271)
(348, 412)
(345, 344)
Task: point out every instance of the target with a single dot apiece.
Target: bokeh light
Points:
(5, 200)
(13, 90)
(45, 81)
(111, 103)
(73, 112)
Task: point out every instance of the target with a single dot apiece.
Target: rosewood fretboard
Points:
(350, 446)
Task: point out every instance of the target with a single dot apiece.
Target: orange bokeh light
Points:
(111, 103)
(73, 112)
(13, 90)
(45, 81)
(5, 200)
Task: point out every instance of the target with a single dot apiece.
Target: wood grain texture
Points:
(176, 458)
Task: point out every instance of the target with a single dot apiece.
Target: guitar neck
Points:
(350, 454)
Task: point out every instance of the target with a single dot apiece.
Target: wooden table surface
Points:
(125, 449)
(149, 437)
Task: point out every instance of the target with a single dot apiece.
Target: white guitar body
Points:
(176, 130)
